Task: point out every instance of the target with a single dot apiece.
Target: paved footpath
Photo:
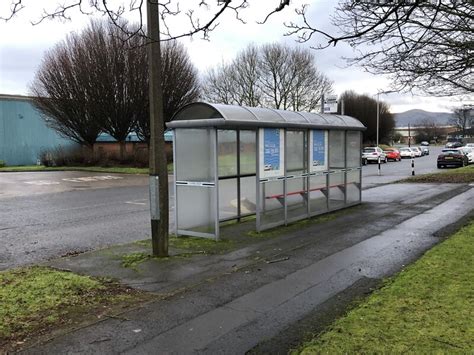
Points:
(252, 298)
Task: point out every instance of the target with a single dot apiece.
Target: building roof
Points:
(202, 114)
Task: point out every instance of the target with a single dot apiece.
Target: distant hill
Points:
(416, 117)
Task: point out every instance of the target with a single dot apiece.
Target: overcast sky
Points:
(22, 46)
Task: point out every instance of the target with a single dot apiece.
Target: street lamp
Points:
(378, 111)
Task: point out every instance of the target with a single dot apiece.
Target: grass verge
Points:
(450, 175)
(427, 308)
(99, 169)
(37, 300)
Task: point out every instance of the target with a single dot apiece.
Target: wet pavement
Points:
(49, 182)
(234, 302)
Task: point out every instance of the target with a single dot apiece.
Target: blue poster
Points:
(319, 149)
(271, 149)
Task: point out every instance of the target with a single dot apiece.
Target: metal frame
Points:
(212, 185)
(175, 187)
(304, 176)
(257, 181)
(216, 181)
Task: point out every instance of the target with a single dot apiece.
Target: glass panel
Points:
(353, 186)
(336, 190)
(248, 152)
(272, 202)
(336, 150)
(227, 198)
(227, 152)
(194, 154)
(296, 152)
(296, 198)
(317, 197)
(200, 219)
(353, 149)
(248, 195)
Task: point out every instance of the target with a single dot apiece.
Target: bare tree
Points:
(272, 75)
(463, 118)
(421, 44)
(236, 82)
(364, 108)
(91, 82)
(180, 84)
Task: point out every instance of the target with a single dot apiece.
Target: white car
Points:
(469, 151)
(407, 152)
(373, 154)
(418, 152)
(469, 145)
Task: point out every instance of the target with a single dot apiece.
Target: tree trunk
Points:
(122, 145)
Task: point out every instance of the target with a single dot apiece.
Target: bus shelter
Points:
(281, 166)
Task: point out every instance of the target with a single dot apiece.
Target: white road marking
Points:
(42, 182)
(79, 179)
(137, 202)
(93, 178)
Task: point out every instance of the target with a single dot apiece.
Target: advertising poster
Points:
(271, 152)
(319, 150)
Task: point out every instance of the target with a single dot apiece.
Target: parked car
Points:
(425, 143)
(418, 152)
(452, 156)
(425, 150)
(469, 151)
(373, 154)
(392, 154)
(407, 152)
(469, 145)
(453, 144)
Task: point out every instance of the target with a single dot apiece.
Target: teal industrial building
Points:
(23, 132)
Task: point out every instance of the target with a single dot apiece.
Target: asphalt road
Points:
(50, 214)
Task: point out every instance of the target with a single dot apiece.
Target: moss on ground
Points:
(427, 308)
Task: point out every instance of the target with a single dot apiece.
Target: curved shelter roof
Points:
(202, 114)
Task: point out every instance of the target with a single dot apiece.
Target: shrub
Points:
(2, 163)
(83, 156)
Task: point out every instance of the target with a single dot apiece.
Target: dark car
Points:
(453, 145)
(452, 156)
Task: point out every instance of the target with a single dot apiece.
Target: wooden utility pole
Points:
(158, 169)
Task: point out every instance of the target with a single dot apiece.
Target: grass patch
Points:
(201, 245)
(191, 245)
(35, 300)
(99, 169)
(449, 175)
(132, 260)
(427, 308)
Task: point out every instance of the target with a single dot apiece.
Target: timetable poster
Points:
(319, 150)
(271, 152)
